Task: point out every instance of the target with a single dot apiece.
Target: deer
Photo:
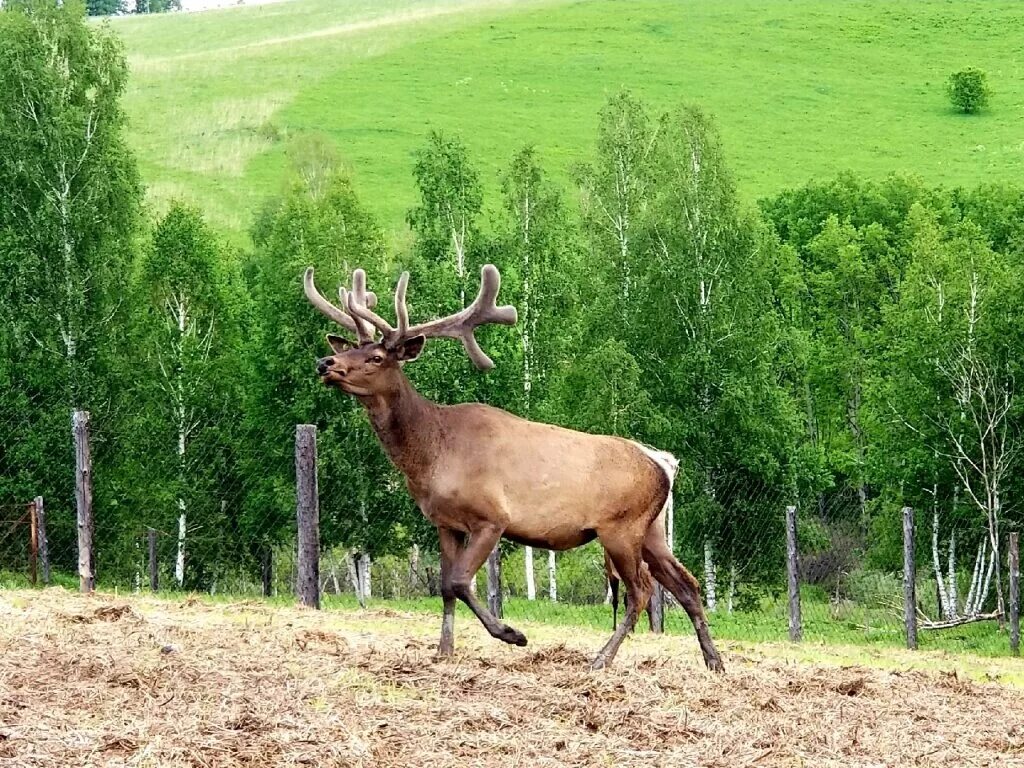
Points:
(480, 473)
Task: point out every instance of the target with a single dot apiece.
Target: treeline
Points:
(850, 346)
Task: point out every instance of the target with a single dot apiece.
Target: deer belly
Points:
(558, 539)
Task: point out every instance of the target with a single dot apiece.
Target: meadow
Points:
(801, 89)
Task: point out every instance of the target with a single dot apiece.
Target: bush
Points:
(968, 90)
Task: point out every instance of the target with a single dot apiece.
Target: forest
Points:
(850, 346)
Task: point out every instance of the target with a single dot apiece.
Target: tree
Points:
(188, 397)
(968, 90)
(711, 333)
(69, 198)
(105, 7)
(536, 244)
(615, 192)
(363, 504)
(951, 445)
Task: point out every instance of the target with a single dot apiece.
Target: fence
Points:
(257, 517)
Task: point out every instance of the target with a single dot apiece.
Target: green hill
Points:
(801, 89)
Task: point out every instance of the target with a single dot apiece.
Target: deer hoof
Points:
(715, 664)
(600, 662)
(512, 636)
(444, 651)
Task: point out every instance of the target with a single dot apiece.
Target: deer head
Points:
(369, 364)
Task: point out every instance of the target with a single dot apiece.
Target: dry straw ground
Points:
(104, 681)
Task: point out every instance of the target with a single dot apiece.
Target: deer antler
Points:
(359, 317)
(344, 317)
(461, 325)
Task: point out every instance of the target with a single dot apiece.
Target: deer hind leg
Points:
(625, 554)
(467, 562)
(680, 582)
(451, 543)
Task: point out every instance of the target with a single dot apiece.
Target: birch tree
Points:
(67, 182)
(711, 334)
(535, 242)
(189, 341)
(69, 199)
(951, 411)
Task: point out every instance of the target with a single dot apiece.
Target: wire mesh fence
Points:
(218, 516)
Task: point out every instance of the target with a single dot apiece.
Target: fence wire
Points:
(214, 513)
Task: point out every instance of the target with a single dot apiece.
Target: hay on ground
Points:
(100, 681)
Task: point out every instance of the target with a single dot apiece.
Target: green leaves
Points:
(968, 89)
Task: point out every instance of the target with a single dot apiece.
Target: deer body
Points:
(480, 473)
(546, 486)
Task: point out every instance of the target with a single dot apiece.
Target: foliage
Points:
(819, 350)
(968, 90)
(105, 7)
(69, 200)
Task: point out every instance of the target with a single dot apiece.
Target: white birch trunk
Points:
(334, 575)
(352, 566)
(979, 559)
(940, 584)
(414, 568)
(365, 585)
(179, 562)
(982, 595)
(552, 577)
(531, 582)
(951, 577)
(710, 577)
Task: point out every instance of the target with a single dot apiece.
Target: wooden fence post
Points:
(1014, 595)
(154, 569)
(494, 581)
(83, 500)
(41, 544)
(909, 579)
(33, 545)
(656, 609)
(796, 629)
(308, 514)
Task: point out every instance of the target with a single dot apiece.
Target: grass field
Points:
(106, 682)
(867, 631)
(801, 88)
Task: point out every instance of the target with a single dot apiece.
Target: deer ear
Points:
(338, 343)
(409, 349)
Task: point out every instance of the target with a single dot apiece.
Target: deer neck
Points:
(407, 426)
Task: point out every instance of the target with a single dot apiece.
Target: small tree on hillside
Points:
(968, 90)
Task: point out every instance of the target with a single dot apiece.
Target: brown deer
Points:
(479, 473)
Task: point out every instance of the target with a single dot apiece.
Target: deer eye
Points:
(377, 359)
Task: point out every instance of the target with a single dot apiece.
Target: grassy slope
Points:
(801, 89)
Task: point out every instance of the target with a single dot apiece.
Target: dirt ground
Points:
(107, 681)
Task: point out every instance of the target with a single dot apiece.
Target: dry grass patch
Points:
(110, 682)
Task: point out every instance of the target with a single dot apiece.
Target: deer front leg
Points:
(467, 563)
(450, 545)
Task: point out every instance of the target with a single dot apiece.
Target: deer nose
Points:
(322, 365)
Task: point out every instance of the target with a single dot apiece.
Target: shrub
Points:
(968, 90)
